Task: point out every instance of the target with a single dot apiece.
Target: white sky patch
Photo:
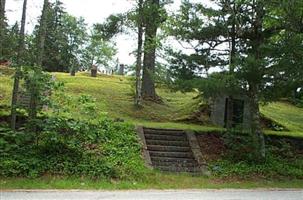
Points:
(93, 11)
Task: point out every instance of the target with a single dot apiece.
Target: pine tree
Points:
(2, 27)
(42, 32)
(239, 36)
(19, 63)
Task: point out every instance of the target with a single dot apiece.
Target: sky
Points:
(93, 11)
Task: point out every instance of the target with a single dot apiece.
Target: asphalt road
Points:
(155, 195)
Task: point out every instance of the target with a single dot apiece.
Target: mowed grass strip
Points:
(154, 181)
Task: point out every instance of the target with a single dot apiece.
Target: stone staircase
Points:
(169, 150)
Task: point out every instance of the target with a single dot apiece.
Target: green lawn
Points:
(287, 115)
(155, 181)
(6, 83)
(114, 96)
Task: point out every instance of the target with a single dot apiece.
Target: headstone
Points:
(73, 73)
(121, 69)
(94, 71)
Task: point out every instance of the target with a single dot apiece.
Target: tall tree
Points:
(63, 43)
(98, 51)
(42, 32)
(257, 40)
(139, 52)
(152, 11)
(75, 32)
(243, 40)
(269, 22)
(55, 45)
(2, 26)
(11, 43)
(19, 63)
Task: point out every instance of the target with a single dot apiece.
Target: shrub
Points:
(239, 160)
(300, 102)
(73, 147)
(273, 167)
(240, 146)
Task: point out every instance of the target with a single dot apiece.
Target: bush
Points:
(240, 146)
(73, 147)
(240, 161)
(273, 167)
(300, 102)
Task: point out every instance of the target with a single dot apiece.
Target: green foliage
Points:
(240, 146)
(76, 36)
(216, 84)
(70, 147)
(273, 167)
(98, 51)
(111, 27)
(300, 102)
(63, 104)
(64, 42)
(10, 43)
(37, 83)
(282, 159)
(68, 144)
(263, 59)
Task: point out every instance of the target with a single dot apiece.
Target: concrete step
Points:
(168, 148)
(175, 164)
(170, 151)
(167, 143)
(155, 159)
(149, 136)
(164, 132)
(179, 169)
(172, 160)
(171, 154)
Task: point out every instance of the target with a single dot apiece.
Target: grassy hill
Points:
(287, 115)
(114, 96)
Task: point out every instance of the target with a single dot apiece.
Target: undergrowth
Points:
(74, 148)
(282, 159)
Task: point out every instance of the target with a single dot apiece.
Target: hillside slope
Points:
(114, 96)
(287, 115)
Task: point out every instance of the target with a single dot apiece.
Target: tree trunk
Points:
(230, 110)
(148, 84)
(257, 134)
(229, 118)
(42, 33)
(18, 70)
(139, 55)
(22, 35)
(2, 26)
(256, 129)
(233, 35)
